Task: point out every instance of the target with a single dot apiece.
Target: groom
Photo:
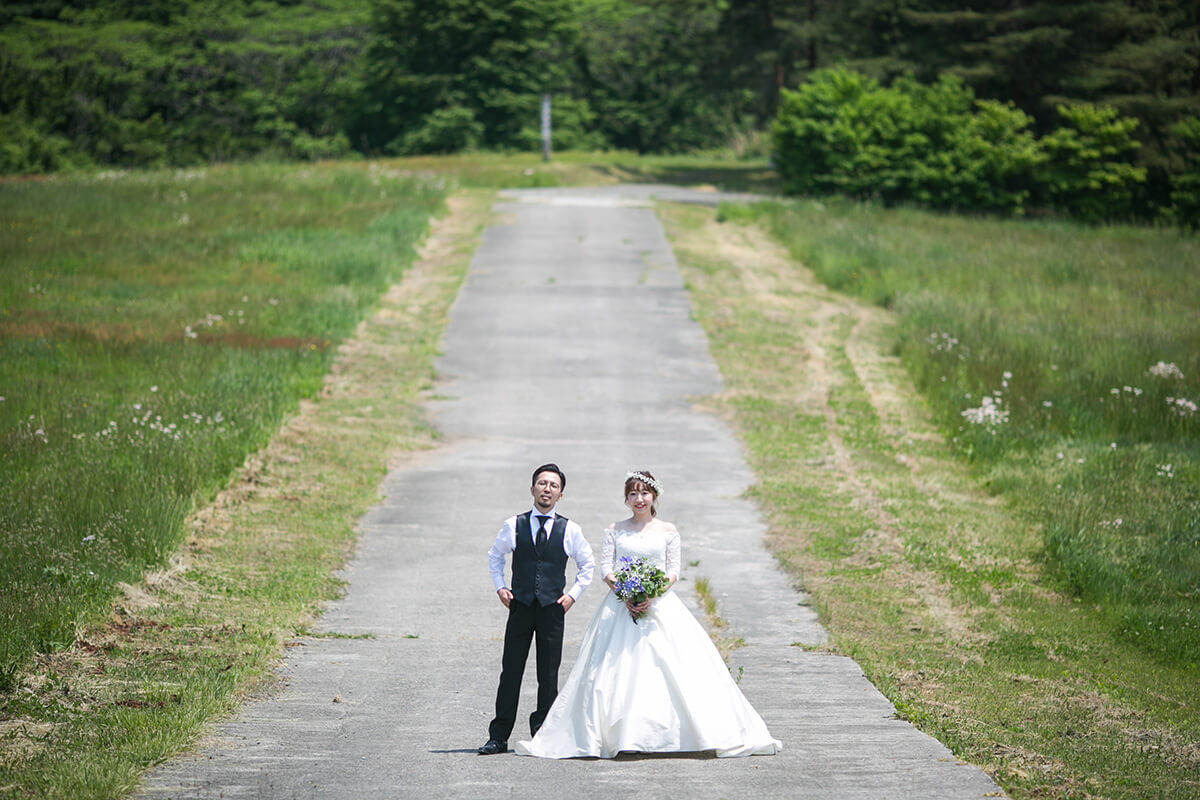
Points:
(540, 541)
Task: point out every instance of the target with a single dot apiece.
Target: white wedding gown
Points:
(657, 685)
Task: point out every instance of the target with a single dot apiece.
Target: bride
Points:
(655, 685)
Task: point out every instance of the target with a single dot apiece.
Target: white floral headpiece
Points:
(646, 479)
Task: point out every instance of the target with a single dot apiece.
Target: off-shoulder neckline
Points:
(615, 529)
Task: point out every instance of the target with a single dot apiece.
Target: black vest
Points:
(539, 578)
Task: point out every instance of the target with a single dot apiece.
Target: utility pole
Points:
(545, 127)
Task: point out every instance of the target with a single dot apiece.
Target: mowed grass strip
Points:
(156, 327)
(939, 590)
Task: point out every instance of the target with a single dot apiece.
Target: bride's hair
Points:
(642, 477)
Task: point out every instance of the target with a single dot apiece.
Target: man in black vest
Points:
(540, 541)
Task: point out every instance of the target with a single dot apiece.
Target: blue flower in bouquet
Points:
(639, 580)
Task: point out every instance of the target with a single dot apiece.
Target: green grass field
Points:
(926, 557)
(1063, 361)
(155, 329)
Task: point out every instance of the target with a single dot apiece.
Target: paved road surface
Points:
(571, 341)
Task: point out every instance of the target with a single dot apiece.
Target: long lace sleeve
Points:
(608, 552)
(673, 554)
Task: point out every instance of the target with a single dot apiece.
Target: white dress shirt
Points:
(575, 546)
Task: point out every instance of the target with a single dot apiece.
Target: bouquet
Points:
(639, 580)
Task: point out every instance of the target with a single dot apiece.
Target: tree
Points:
(650, 73)
(432, 60)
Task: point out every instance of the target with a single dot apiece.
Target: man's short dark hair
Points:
(550, 468)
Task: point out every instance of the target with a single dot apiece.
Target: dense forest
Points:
(147, 82)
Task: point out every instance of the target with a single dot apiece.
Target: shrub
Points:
(312, 148)
(1089, 171)
(813, 138)
(24, 147)
(933, 145)
(446, 130)
(1185, 185)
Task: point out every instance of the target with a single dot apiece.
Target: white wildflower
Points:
(1165, 370)
(1182, 406)
(989, 413)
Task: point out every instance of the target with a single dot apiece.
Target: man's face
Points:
(546, 490)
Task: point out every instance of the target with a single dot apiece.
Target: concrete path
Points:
(571, 341)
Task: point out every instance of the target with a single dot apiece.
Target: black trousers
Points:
(543, 624)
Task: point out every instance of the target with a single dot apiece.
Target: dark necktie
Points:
(541, 537)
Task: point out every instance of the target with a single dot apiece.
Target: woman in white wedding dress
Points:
(657, 685)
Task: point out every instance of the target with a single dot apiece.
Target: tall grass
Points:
(154, 330)
(1038, 347)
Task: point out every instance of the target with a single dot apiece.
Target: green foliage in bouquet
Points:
(639, 580)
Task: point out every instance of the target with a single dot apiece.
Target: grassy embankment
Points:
(135, 424)
(1022, 625)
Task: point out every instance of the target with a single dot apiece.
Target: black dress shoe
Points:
(493, 747)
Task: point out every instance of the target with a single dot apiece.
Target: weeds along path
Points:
(571, 340)
(930, 582)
